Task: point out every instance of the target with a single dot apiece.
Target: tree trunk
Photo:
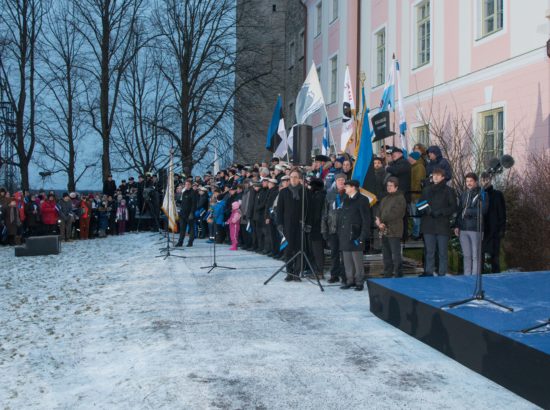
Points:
(104, 93)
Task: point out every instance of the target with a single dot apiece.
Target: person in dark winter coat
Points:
(32, 216)
(329, 226)
(314, 215)
(354, 224)
(435, 225)
(436, 160)
(494, 223)
(389, 221)
(109, 186)
(258, 219)
(467, 223)
(12, 222)
(65, 208)
(380, 176)
(401, 169)
(270, 233)
(186, 201)
(289, 210)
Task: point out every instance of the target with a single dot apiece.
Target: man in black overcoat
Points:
(494, 222)
(289, 209)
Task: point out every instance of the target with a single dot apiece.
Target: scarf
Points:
(295, 190)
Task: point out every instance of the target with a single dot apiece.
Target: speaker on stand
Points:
(302, 144)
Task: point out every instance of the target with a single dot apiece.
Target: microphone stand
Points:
(301, 252)
(479, 293)
(214, 263)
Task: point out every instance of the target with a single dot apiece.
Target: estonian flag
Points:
(273, 137)
(284, 244)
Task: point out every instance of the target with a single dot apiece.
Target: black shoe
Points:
(189, 244)
(179, 245)
(347, 286)
(398, 275)
(333, 279)
(296, 279)
(359, 288)
(289, 278)
(425, 275)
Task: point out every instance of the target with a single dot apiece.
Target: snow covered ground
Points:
(107, 325)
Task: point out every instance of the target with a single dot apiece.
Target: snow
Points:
(107, 325)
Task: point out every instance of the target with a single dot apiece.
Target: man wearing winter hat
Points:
(418, 174)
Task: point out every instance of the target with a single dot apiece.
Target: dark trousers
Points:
(391, 252)
(318, 256)
(293, 238)
(185, 223)
(258, 233)
(335, 256)
(493, 249)
(246, 236)
(431, 243)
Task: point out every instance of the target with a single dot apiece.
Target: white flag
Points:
(282, 149)
(169, 202)
(310, 98)
(216, 162)
(348, 106)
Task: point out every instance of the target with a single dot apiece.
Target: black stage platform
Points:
(485, 338)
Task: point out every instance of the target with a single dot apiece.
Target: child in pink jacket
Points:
(234, 222)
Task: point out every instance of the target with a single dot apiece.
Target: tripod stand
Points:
(479, 293)
(301, 253)
(536, 327)
(214, 263)
(168, 207)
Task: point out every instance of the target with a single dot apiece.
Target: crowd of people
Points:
(277, 209)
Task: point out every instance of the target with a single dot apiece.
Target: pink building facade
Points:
(332, 43)
(481, 63)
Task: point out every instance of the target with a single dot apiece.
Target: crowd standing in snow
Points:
(265, 208)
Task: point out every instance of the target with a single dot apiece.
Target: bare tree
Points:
(465, 148)
(108, 27)
(198, 48)
(21, 26)
(140, 145)
(63, 123)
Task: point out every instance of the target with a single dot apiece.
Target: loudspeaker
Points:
(39, 245)
(381, 126)
(163, 178)
(302, 144)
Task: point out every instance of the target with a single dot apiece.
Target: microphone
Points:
(498, 165)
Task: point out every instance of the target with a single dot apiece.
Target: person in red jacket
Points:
(50, 215)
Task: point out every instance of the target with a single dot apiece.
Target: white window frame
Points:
(375, 35)
(334, 12)
(424, 129)
(478, 37)
(415, 35)
(333, 80)
(318, 18)
(302, 44)
(477, 117)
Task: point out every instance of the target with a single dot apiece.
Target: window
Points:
(380, 56)
(334, 10)
(291, 54)
(301, 45)
(291, 113)
(491, 16)
(492, 123)
(319, 16)
(319, 73)
(422, 135)
(423, 33)
(333, 79)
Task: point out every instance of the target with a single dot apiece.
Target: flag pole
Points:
(329, 129)
(362, 78)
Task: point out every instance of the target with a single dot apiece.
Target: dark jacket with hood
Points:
(439, 162)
